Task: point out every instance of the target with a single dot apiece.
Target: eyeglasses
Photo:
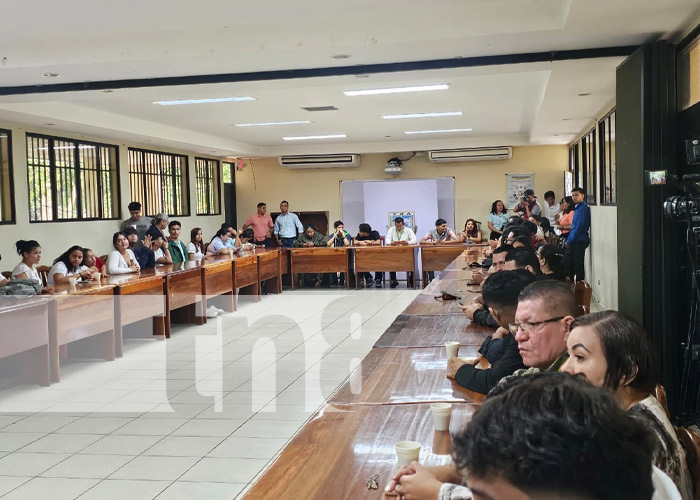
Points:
(527, 327)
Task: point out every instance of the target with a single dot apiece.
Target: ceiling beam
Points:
(435, 64)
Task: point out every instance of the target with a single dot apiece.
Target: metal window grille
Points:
(7, 192)
(159, 182)
(208, 186)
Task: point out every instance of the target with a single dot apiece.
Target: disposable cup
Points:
(441, 415)
(407, 452)
(97, 277)
(71, 282)
(452, 349)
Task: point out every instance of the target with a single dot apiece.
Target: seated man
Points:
(177, 248)
(143, 253)
(501, 292)
(441, 235)
(523, 258)
(476, 311)
(310, 238)
(339, 238)
(545, 312)
(366, 236)
(159, 246)
(400, 235)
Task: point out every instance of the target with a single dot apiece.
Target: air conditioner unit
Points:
(470, 154)
(320, 161)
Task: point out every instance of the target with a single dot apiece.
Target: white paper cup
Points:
(71, 282)
(441, 415)
(407, 452)
(452, 349)
(97, 277)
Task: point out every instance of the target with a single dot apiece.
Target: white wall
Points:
(56, 237)
(601, 258)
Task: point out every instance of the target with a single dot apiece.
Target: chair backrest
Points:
(381, 238)
(7, 274)
(691, 443)
(43, 274)
(660, 394)
(582, 310)
(584, 293)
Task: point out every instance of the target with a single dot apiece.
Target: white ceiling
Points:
(516, 104)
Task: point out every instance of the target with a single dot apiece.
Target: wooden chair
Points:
(43, 274)
(584, 294)
(660, 394)
(691, 443)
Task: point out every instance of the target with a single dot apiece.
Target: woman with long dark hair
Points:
(30, 251)
(68, 264)
(498, 217)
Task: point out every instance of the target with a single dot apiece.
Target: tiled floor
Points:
(198, 416)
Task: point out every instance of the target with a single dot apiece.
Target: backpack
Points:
(21, 286)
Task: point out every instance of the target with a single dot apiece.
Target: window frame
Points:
(607, 152)
(10, 179)
(218, 176)
(581, 154)
(79, 196)
(185, 176)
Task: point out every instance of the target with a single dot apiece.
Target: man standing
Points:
(137, 221)
(529, 204)
(400, 235)
(262, 226)
(578, 240)
(287, 226)
(551, 208)
(178, 250)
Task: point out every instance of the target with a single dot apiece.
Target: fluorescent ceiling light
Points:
(204, 101)
(445, 131)
(270, 124)
(397, 90)
(310, 137)
(422, 115)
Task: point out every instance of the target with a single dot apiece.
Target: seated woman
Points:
(246, 239)
(69, 264)
(566, 216)
(539, 232)
(122, 260)
(161, 253)
(471, 232)
(92, 261)
(614, 352)
(498, 217)
(218, 245)
(30, 251)
(194, 247)
(550, 262)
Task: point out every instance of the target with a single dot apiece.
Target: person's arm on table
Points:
(427, 477)
(482, 381)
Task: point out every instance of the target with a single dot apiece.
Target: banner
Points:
(517, 183)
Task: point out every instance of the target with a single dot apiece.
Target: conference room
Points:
(246, 249)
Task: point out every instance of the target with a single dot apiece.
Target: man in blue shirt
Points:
(287, 226)
(578, 239)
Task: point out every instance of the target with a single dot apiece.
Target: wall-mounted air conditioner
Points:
(320, 161)
(470, 154)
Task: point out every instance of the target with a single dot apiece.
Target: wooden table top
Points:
(82, 288)
(413, 330)
(342, 446)
(406, 375)
(11, 303)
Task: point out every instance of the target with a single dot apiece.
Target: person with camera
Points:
(529, 205)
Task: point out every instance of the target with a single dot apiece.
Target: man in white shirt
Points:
(551, 208)
(400, 235)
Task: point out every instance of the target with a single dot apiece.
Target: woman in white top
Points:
(31, 255)
(122, 260)
(194, 247)
(70, 263)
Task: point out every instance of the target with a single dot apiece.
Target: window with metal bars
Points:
(582, 158)
(606, 141)
(71, 180)
(7, 192)
(159, 182)
(208, 186)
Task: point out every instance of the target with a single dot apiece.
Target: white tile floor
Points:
(198, 416)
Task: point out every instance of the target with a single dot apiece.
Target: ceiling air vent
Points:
(320, 108)
(470, 154)
(320, 161)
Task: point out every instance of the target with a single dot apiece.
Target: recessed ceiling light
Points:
(397, 90)
(271, 124)
(204, 101)
(363, 75)
(311, 137)
(444, 131)
(212, 151)
(566, 119)
(106, 91)
(51, 75)
(422, 115)
(341, 56)
(50, 124)
(585, 94)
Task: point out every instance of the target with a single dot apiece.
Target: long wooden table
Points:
(84, 320)
(399, 258)
(411, 330)
(342, 446)
(438, 257)
(24, 339)
(320, 260)
(406, 375)
(246, 278)
(184, 300)
(269, 270)
(217, 281)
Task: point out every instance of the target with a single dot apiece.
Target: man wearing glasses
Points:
(545, 312)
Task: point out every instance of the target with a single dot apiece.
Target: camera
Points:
(683, 208)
